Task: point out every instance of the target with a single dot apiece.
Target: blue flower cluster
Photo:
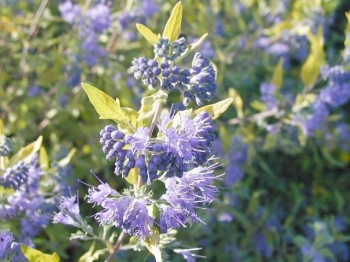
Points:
(9, 249)
(176, 150)
(89, 25)
(335, 94)
(268, 91)
(169, 52)
(6, 145)
(177, 205)
(197, 83)
(139, 12)
(238, 156)
(15, 177)
(27, 203)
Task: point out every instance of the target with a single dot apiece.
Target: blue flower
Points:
(9, 249)
(69, 212)
(6, 145)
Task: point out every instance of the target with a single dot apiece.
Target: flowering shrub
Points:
(273, 167)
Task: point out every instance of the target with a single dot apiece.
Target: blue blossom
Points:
(268, 92)
(100, 17)
(69, 212)
(126, 212)
(16, 176)
(6, 146)
(184, 194)
(70, 12)
(238, 156)
(225, 217)
(187, 254)
(9, 249)
(35, 91)
(262, 245)
(337, 92)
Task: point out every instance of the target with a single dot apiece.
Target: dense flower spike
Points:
(6, 145)
(9, 249)
(69, 212)
(202, 81)
(126, 212)
(197, 83)
(184, 194)
(15, 176)
(167, 51)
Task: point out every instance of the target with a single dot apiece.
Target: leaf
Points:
(2, 130)
(217, 109)
(65, 161)
(149, 105)
(133, 176)
(237, 101)
(92, 255)
(173, 26)
(34, 255)
(106, 106)
(151, 244)
(317, 58)
(148, 34)
(25, 153)
(278, 72)
(43, 159)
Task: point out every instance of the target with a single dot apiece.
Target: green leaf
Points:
(2, 130)
(278, 72)
(317, 58)
(151, 244)
(92, 255)
(65, 161)
(149, 105)
(25, 153)
(237, 101)
(133, 176)
(43, 159)
(107, 107)
(148, 34)
(34, 255)
(217, 109)
(173, 26)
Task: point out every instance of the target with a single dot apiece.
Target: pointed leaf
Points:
(25, 153)
(237, 101)
(217, 109)
(148, 34)
(34, 255)
(148, 106)
(151, 244)
(277, 78)
(43, 159)
(133, 176)
(173, 26)
(65, 161)
(2, 130)
(198, 43)
(106, 106)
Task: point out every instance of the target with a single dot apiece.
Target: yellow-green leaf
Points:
(106, 106)
(317, 58)
(25, 153)
(278, 72)
(151, 244)
(217, 109)
(92, 255)
(43, 159)
(34, 255)
(148, 34)
(237, 101)
(173, 26)
(149, 105)
(192, 46)
(133, 176)
(2, 131)
(65, 161)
